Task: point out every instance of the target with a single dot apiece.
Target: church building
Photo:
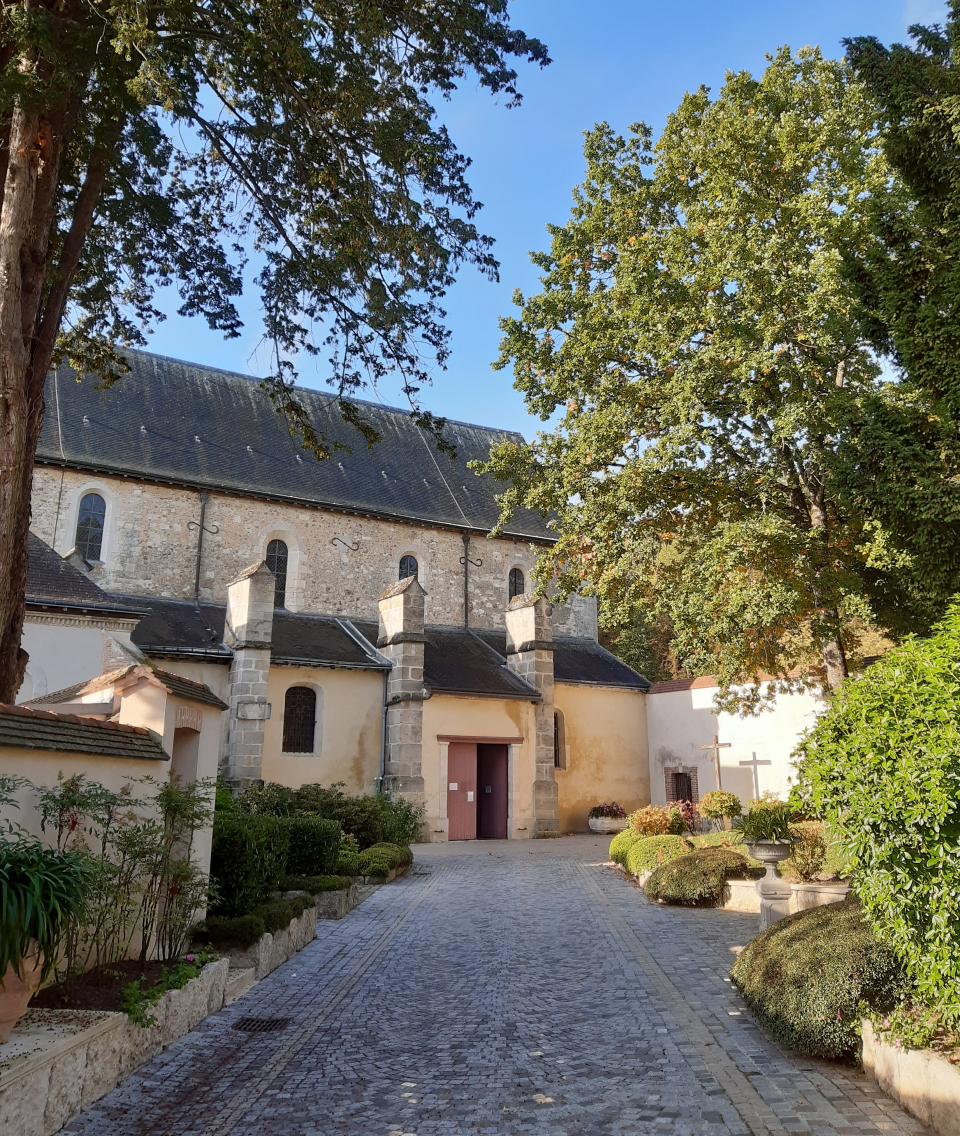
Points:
(354, 615)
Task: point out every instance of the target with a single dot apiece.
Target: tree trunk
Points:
(831, 643)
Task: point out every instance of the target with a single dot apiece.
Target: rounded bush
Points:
(621, 845)
(654, 820)
(649, 852)
(718, 804)
(805, 978)
(698, 878)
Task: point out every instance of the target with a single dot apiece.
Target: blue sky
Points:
(614, 60)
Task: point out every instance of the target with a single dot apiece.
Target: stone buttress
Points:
(401, 640)
(530, 655)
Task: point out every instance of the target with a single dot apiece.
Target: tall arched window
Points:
(89, 540)
(408, 567)
(517, 583)
(299, 719)
(277, 563)
(559, 741)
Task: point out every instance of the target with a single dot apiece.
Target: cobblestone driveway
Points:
(498, 989)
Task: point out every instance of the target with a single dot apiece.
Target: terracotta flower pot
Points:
(17, 990)
(607, 824)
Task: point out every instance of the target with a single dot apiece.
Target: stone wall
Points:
(149, 549)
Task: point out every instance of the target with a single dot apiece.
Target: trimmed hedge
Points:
(349, 864)
(805, 978)
(380, 858)
(698, 877)
(314, 846)
(649, 852)
(621, 845)
(242, 931)
(315, 885)
(247, 862)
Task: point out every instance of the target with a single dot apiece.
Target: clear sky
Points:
(614, 60)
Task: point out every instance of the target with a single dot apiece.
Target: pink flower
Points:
(190, 958)
(839, 1016)
(897, 1043)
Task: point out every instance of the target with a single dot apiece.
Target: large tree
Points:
(147, 143)
(698, 329)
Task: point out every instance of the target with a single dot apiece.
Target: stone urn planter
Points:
(17, 990)
(607, 825)
(773, 891)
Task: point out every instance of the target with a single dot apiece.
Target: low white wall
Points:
(923, 1082)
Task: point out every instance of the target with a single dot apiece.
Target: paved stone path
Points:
(499, 988)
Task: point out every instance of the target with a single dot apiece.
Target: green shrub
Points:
(766, 819)
(621, 845)
(718, 804)
(314, 885)
(247, 862)
(698, 877)
(718, 840)
(650, 852)
(806, 977)
(349, 864)
(276, 916)
(882, 767)
(809, 855)
(314, 845)
(229, 933)
(379, 859)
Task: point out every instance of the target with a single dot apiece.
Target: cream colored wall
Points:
(606, 751)
(65, 650)
(460, 716)
(681, 721)
(350, 716)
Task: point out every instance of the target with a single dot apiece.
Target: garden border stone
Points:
(920, 1080)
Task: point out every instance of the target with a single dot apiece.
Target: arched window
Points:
(277, 563)
(408, 567)
(517, 583)
(299, 719)
(559, 741)
(89, 540)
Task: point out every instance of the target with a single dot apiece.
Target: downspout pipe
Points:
(383, 736)
(196, 579)
(465, 537)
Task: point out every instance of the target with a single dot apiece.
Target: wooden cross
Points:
(717, 746)
(756, 776)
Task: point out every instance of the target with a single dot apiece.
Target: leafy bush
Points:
(682, 817)
(137, 1002)
(613, 810)
(882, 767)
(276, 916)
(381, 858)
(621, 845)
(314, 845)
(718, 840)
(349, 864)
(718, 804)
(809, 854)
(806, 977)
(698, 877)
(247, 862)
(654, 820)
(226, 932)
(315, 885)
(40, 891)
(650, 852)
(766, 819)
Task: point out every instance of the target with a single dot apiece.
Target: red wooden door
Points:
(492, 792)
(462, 790)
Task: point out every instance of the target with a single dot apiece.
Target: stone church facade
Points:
(354, 615)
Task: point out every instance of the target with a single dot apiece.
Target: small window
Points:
(408, 567)
(559, 741)
(517, 583)
(299, 719)
(89, 542)
(277, 563)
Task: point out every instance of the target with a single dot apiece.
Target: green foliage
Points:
(41, 890)
(650, 852)
(809, 856)
(248, 860)
(349, 864)
(225, 801)
(807, 977)
(718, 840)
(137, 1001)
(766, 819)
(621, 845)
(698, 877)
(314, 845)
(276, 916)
(696, 331)
(717, 804)
(225, 932)
(882, 766)
(314, 885)
(379, 859)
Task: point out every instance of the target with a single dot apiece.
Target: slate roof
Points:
(186, 688)
(580, 662)
(39, 729)
(187, 424)
(53, 582)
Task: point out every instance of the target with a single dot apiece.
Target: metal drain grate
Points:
(261, 1025)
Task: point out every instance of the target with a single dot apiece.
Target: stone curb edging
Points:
(920, 1080)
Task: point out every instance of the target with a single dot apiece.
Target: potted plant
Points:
(607, 818)
(718, 806)
(766, 831)
(40, 890)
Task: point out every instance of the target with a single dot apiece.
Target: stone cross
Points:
(716, 747)
(756, 776)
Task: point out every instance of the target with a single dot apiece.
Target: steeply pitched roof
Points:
(187, 424)
(581, 662)
(53, 582)
(38, 729)
(177, 685)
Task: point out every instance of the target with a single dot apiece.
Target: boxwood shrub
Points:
(242, 931)
(314, 846)
(315, 885)
(805, 978)
(379, 859)
(698, 877)
(247, 862)
(650, 852)
(349, 864)
(621, 845)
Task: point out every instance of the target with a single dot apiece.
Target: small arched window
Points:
(559, 741)
(517, 583)
(89, 542)
(299, 719)
(277, 563)
(408, 567)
